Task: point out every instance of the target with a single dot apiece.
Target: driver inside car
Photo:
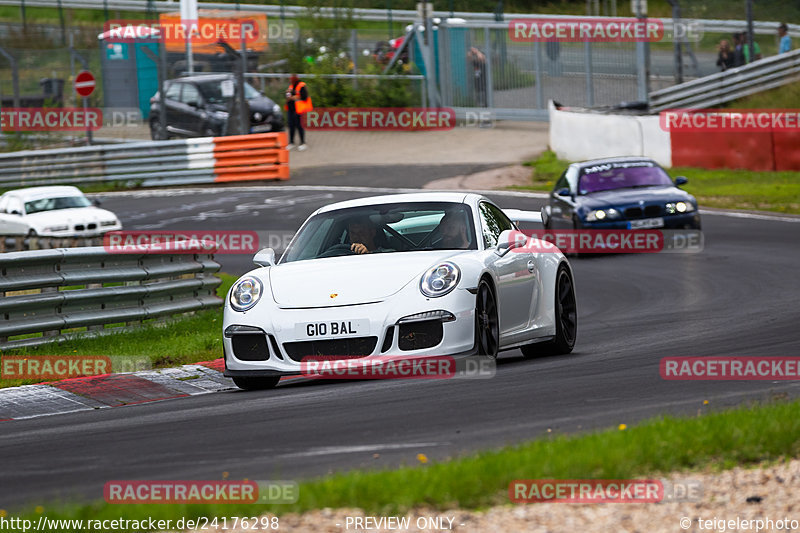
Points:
(453, 231)
(365, 236)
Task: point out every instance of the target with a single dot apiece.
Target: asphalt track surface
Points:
(738, 297)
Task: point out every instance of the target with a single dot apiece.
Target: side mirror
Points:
(193, 104)
(96, 202)
(563, 192)
(545, 215)
(681, 180)
(508, 240)
(15, 212)
(265, 257)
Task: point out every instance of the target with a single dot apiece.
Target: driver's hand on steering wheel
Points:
(359, 248)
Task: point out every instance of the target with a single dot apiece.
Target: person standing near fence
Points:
(298, 102)
(785, 41)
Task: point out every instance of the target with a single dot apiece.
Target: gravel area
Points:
(767, 493)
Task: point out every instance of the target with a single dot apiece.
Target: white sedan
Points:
(425, 274)
(55, 211)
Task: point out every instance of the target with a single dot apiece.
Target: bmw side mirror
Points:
(681, 180)
(265, 257)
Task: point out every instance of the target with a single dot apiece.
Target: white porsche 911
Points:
(424, 274)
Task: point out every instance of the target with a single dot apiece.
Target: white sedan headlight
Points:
(246, 293)
(598, 215)
(440, 280)
(57, 228)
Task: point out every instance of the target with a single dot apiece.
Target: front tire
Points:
(487, 326)
(257, 383)
(566, 311)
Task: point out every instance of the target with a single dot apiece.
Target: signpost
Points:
(84, 85)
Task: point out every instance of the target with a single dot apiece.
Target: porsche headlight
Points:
(276, 109)
(440, 280)
(246, 293)
(598, 215)
(679, 207)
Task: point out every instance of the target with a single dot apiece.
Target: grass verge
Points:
(723, 188)
(182, 340)
(716, 441)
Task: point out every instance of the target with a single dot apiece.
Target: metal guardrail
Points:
(405, 15)
(152, 163)
(38, 294)
(20, 243)
(729, 85)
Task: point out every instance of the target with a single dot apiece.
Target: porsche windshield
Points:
(384, 228)
(622, 175)
(51, 204)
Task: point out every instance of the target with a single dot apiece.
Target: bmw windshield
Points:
(622, 175)
(384, 228)
(52, 204)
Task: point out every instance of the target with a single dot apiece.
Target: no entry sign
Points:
(84, 83)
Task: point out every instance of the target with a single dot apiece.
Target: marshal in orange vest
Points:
(300, 106)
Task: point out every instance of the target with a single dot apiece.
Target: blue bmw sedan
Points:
(619, 193)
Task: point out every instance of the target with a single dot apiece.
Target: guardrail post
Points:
(537, 58)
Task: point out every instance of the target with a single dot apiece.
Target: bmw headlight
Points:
(599, 215)
(440, 280)
(679, 207)
(57, 228)
(245, 293)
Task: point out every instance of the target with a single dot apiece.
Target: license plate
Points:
(332, 329)
(646, 223)
(262, 127)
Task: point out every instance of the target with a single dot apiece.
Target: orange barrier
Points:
(722, 149)
(259, 156)
(786, 150)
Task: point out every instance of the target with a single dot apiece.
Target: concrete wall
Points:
(577, 136)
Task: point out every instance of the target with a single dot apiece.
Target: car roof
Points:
(606, 160)
(203, 77)
(453, 197)
(34, 193)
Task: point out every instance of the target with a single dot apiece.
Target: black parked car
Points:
(198, 106)
(620, 193)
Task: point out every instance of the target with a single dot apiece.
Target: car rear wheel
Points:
(487, 327)
(566, 311)
(257, 383)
